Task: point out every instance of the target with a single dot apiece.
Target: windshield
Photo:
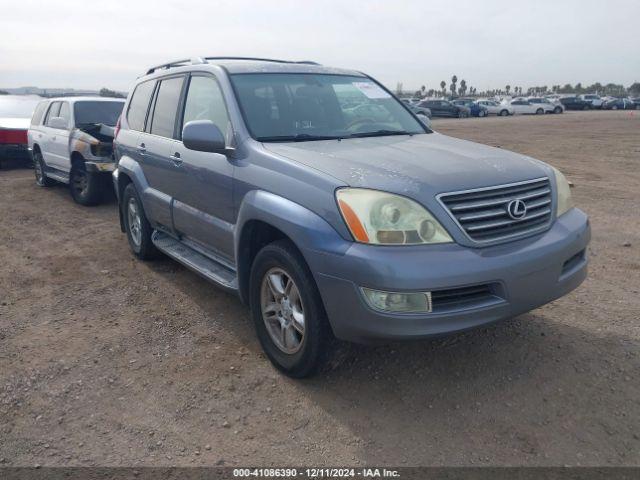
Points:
(87, 113)
(304, 107)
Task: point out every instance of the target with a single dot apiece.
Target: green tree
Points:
(105, 92)
(507, 88)
(443, 86)
(452, 87)
(463, 87)
(634, 88)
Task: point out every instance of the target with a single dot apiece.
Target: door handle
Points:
(142, 149)
(175, 158)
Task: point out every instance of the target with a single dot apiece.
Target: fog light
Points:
(415, 302)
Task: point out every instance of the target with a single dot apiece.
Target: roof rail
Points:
(177, 63)
(258, 59)
(201, 60)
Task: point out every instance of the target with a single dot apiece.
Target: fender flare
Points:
(129, 167)
(309, 232)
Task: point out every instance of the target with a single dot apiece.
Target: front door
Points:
(203, 205)
(59, 141)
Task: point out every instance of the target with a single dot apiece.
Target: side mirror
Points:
(424, 119)
(59, 123)
(203, 136)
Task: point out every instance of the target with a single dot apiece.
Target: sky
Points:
(489, 43)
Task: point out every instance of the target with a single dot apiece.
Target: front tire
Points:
(136, 225)
(540, 111)
(287, 311)
(86, 187)
(557, 110)
(504, 113)
(39, 168)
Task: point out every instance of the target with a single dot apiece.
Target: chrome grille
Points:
(483, 215)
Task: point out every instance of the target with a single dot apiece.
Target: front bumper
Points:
(521, 276)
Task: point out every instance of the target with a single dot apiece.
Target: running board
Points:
(196, 261)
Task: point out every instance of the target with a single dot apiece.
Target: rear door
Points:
(133, 142)
(47, 133)
(157, 145)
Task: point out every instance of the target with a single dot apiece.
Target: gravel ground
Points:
(108, 361)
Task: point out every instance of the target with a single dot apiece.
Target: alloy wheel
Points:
(282, 310)
(134, 221)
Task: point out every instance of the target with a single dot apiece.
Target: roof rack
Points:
(201, 60)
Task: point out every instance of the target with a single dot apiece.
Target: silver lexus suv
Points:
(332, 211)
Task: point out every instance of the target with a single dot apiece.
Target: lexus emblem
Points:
(517, 209)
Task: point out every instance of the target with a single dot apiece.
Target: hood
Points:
(418, 166)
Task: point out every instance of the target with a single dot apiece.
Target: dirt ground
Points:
(108, 361)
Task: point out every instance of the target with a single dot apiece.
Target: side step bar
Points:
(196, 261)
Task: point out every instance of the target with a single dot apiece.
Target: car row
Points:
(322, 201)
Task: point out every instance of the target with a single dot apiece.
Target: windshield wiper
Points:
(301, 137)
(381, 133)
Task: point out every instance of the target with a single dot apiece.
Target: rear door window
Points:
(166, 107)
(53, 112)
(139, 105)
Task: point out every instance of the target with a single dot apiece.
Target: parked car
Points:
(592, 99)
(475, 109)
(424, 114)
(636, 103)
(444, 108)
(327, 224)
(574, 103)
(547, 105)
(523, 106)
(71, 142)
(496, 108)
(619, 104)
(15, 114)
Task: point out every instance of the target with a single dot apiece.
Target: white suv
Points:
(595, 100)
(70, 140)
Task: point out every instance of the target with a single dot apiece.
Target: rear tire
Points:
(136, 225)
(504, 113)
(540, 111)
(86, 187)
(292, 327)
(39, 168)
(557, 110)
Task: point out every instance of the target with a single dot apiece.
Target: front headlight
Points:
(564, 193)
(387, 219)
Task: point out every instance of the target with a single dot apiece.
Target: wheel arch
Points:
(265, 217)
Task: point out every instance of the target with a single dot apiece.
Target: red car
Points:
(15, 117)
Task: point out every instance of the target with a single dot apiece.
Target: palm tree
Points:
(454, 80)
(507, 88)
(443, 86)
(463, 87)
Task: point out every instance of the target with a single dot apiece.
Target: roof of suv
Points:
(255, 65)
(85, 99)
